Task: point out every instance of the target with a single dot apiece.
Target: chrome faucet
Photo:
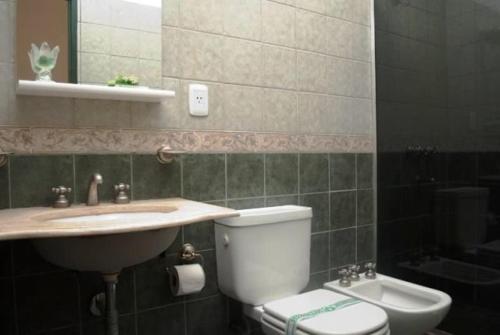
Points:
(93, 196)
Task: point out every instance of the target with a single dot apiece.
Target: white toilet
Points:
(412, 309)
(263, 261)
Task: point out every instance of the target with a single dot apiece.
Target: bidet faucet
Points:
(93, 196)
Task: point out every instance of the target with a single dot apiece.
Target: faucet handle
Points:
(345, 280)
(370, 270)
(121, 193)
(354, 272)
(61, 200)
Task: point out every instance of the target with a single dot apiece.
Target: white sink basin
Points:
(108, 253)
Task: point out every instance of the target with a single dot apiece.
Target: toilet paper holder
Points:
(188, 254)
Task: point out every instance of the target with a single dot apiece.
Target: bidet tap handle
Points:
(354, 272)
(345, 280)
(61, 201)
(370, 270)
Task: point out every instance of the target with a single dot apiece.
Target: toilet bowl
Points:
(263, 262)
(412, 309)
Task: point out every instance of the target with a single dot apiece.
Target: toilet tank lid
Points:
(267, 215)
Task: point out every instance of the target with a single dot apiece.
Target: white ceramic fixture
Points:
(263, 261)
(412, 309)
(85, 91)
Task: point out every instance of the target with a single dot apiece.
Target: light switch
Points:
(198, 100)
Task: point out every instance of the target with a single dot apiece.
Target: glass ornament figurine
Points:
(43, 60)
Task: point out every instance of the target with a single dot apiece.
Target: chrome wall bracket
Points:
(166, 155)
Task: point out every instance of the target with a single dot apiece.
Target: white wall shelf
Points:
(84, 91)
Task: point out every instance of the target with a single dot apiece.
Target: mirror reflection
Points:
(116, 42)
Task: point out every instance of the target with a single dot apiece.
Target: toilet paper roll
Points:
(186, 279)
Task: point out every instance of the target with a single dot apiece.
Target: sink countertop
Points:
(39, 222)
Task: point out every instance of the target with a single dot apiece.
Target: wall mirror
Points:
(98, 40)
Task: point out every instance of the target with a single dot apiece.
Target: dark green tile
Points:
(28, 261)
(320, 252)
(5, 259)
(320, 204)
(207, 317)
(166, 320)
(204, 177)
(365, 243)
(7, 317)
(343, 209)
(365, 207)
(4, 187)
(343, 247)
(153, 180)
(114, 169)
(316, 281)
(281, 174)
(91, 283)
(365, 170)
(343, 171)
(245, 175)
(126, 326)
(238, 322)
(46, 302)
(200, 234)
(282, 200)
(246, 203)
(32, 178)
(314, 173)
(151, 280)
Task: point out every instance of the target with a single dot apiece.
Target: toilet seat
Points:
(359, 319)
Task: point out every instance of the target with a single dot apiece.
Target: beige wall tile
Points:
(149, 73)
(242, 61)
(7, 31)
(95, 38)
(341, 114)
(312, 75)
(311, 31)
(243, 108)
(318, 6)
(340, 37)
(279, 67)
(95, 68)
(361, 84)
(362, 11)
(7, 92)
(102, 114)
(124, 66)
(170, 52)
(95, 11)
(242, 18)
(150, 46)
(125, 42)
(339, 77)
(278, 23)
(361, 42)
(206, 15)
(44, 112)
(170, 12)
(286, 2)
(200, 55)
(313, 113)
(279, 111)
(340, 8)
(362, 120)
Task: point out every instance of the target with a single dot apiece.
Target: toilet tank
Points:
(263, 254)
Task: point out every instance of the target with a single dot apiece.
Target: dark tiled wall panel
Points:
(39, 298)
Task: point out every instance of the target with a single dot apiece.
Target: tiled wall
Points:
(119, 37)
(38, 298)
(287, 67)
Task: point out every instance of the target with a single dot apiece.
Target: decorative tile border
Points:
(62, 140)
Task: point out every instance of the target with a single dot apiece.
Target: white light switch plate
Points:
(198, 100)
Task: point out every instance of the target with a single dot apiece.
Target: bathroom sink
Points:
(108, 237)
(105, 253)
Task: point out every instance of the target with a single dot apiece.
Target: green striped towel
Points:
(291, 324)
